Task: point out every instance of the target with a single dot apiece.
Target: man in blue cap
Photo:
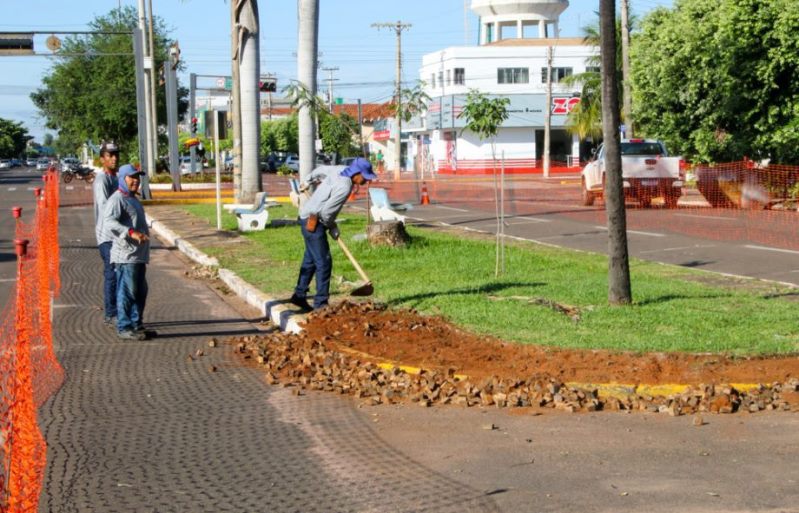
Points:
(317, 218)
(124, 217)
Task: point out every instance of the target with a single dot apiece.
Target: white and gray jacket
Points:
(121, 213)
(329, 197)
(104, 186)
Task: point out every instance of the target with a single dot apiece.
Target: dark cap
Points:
(109, 147)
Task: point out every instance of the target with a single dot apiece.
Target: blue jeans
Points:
(316, 261)
(109, 281)
(131, 295)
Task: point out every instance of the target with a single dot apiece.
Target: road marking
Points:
(12, 189)
(648, 234)
(678, 249)
(708, 217)
(766, 248)
(31, 188)
(452, 208)
(70, 187)
(534, 219)
(4, 280)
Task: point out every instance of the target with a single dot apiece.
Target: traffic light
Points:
(193, 126)
(16, 43)
(267, 85)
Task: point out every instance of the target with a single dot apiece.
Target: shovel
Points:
(363, 290)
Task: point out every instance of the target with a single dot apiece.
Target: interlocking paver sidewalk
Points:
(141, 427)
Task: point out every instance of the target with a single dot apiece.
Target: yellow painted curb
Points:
(204, 201)
(617, 390)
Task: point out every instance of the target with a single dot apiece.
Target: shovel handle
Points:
(352, 260)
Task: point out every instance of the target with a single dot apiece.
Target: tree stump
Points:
(387, 233)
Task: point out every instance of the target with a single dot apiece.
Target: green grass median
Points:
(452, 274)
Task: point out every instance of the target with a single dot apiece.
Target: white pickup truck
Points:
(647, 170)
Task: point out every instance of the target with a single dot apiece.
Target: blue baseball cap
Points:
(364, 167)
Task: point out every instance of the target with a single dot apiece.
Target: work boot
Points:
(131, 335)
(300, 302)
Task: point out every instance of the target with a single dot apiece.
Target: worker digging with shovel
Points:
(318, 217)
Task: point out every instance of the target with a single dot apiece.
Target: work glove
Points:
(334, 232)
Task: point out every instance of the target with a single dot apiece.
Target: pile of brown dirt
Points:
(404, 336)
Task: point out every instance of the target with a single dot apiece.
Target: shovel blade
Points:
(364, 290)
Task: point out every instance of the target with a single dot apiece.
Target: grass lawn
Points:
(441, 273)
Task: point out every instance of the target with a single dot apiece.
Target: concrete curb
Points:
(271, 308)
(184, 246)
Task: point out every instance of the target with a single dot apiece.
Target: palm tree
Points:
(619, 291)
(307, 59)
(585, 119)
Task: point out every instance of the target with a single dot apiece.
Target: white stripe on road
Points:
(708, 217)
(452, 208)
(648, 234)
(766, 248)
(534, 219)
(12, 189)
(70, 187)
(4, 280)
(678, 249)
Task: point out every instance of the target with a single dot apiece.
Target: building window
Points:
(513, 76)
(460, 76)
(592, 69)
(449, 77)
(441, 78)
(558, 74)
(433, 80)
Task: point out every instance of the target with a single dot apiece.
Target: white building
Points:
(511, 61)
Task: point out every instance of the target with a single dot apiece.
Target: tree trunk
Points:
(250, 102)
(387, 233)
(619, 291)
(307, 47)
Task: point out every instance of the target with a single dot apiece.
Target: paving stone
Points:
(142, 427)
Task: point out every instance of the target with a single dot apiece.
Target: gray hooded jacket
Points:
(123, 212)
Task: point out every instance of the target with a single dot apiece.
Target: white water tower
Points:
(507, 19)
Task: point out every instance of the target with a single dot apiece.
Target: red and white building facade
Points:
(510, 62)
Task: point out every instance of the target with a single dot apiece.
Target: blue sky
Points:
(364, 55)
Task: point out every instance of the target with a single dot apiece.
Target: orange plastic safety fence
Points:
(29, 370)
(733, 202)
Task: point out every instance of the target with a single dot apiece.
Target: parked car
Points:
(346, 161)
(292, 162)
(42, 164)
(70, 162)
(31, 162)
(5, 164)
(16, 163)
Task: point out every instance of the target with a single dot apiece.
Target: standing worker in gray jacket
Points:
(130, 252)
(104, 186)
(317, 217)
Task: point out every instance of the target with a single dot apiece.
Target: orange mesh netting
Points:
(738, 201)
(29, 370)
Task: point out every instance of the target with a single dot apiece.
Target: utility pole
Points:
(625, 69)
(153, 90)
(235, 101)
(397, 27)
(307, 62)
(548, 113)
(148, 165)
(330, 81)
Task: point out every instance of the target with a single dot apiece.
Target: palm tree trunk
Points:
(307, 47)
(619, 291)
(250, 102)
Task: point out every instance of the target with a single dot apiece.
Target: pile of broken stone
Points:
(303, 364)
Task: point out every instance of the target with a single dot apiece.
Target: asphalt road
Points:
(757, 244)
(16, 189)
